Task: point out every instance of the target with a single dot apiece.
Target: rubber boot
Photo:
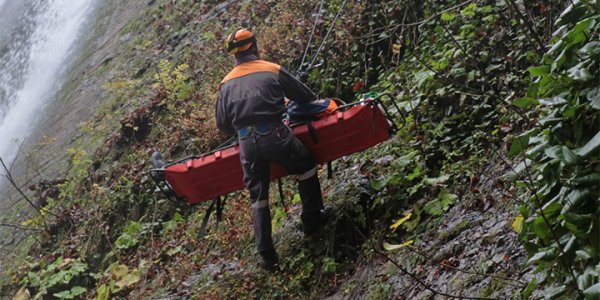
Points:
(312, 204)
(261, 218)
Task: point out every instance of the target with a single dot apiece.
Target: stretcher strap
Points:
(280, 186)
(312, 132)
(219, 204)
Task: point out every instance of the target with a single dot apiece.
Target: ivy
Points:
(561, 230)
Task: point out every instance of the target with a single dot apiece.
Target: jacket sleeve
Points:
(293, 89)
(222, 116)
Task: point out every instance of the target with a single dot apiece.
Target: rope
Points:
(327, 35)
(313, 60)
(312, 33)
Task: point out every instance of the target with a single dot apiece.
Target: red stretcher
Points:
(349, 129)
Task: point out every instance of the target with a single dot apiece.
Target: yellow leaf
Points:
(399, 222)
(517, 224)
(23, 294)
(390, 247)
(120, 271)
(396, 48)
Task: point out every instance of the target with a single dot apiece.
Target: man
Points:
(251, 105)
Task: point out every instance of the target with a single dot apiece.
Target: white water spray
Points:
(32, 66)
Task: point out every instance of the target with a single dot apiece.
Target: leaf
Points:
(415, 173)
(546, 255)
(540, 228)
(539, 70)
(554, 101)
(582, 255)
(447, 16)
(440, 204)
(77, 290)
(590, 49)
(591, 145)
(594, 97)
(63, 295)
(574, 199)
(436, 180)
(120, 271)
(22, 294)
(554, 291)
(399, 222)
(517, 224)
(518, 145)
(103, 292)
(390, 247)
(568, 157)
(589, 179)
(525, 102)
(592, 292)
(580, 72)
(174, 251)
(278, 218)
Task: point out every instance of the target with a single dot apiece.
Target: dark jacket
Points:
(252, 94)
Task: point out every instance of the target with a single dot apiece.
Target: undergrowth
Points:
(462, 75)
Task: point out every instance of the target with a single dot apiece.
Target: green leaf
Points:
(546, 255)
(278, 218)
(554, 291)
(591, 145)
(64, 295)
(103, 292)
(568, 157)
(436, 180)
(448, 16)
(415, 173)
(554, 101)
(591, 49)
(530, 288)
(590, 179)
(525, 102)
(440, 204)
(582, 255)
(594, 97)
(539, 70)
(540, 228)
(518, 145)
(592, 292)
(580, 72)
(574, 199)
(378, 184)
(77, 290)
(580, 31)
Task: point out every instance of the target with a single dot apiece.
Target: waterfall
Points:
(37, 40)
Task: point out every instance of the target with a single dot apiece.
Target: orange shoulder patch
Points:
(254, 66)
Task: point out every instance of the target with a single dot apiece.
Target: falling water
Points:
(37, 38)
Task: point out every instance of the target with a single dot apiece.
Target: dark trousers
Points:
(279, 145)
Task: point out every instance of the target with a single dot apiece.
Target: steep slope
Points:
(445, 183)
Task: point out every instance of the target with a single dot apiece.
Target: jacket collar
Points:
(245, 58)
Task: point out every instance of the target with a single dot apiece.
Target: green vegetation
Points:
(498, 106)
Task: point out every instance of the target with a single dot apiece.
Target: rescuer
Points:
(251, 105)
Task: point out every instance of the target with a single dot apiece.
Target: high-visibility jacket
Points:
(253, 93)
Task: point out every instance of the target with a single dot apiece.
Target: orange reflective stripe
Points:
(254, 66)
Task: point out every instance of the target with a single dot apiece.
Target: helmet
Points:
(239, 41)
